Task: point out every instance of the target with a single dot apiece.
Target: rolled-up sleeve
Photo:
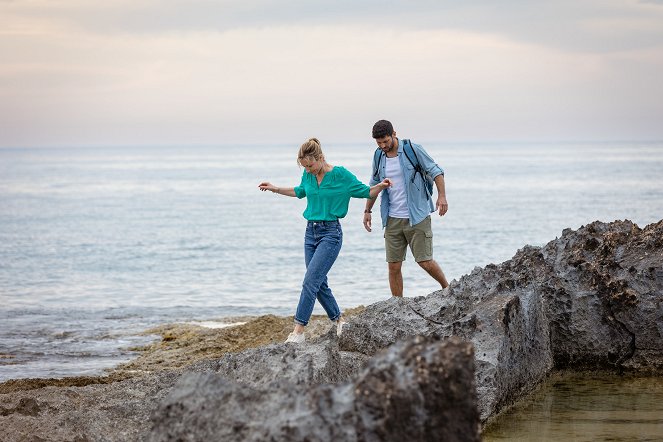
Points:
(300, 191)
(430, 166)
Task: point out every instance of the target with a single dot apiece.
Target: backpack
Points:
(410, 153)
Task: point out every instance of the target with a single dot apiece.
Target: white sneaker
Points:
(339, 326)
(296, 338)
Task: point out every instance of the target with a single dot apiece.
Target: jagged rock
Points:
(606, 304)
(318, 362)
(419, 389)
(590, 299)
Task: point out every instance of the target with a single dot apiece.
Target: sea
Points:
(98, 245)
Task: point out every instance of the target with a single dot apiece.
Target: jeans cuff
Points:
(302, 323)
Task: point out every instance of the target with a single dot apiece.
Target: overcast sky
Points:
(148, 72)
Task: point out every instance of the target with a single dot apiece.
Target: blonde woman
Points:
(328, 190)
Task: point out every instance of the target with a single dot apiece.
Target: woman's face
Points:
(312, 165)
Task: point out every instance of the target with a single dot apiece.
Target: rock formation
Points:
(416, 390)
(117, 411)
(592, 298)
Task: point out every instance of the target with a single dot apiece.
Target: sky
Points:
(205, 72)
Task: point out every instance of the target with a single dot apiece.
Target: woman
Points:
(328, 190)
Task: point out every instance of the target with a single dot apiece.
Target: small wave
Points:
(213, 324)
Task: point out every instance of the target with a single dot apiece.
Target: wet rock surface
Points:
(592, 298)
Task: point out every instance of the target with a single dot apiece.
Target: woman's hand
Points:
(379, 187)
(287, 191)
(267, 186)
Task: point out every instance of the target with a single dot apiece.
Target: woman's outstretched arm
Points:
(287, 191)
(375, 190)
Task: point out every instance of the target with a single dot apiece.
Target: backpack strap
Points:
(407, 146)
(418, 169)
(377, 156)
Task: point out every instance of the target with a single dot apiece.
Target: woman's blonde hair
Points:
(310, 149)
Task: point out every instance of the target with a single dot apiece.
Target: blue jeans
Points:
(322, 244)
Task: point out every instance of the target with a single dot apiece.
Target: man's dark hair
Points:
(382, 128)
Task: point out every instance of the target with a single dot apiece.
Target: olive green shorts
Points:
(398, 235)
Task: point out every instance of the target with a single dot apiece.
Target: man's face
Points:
(387, 143)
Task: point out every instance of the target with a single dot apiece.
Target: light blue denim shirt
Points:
(418, 203)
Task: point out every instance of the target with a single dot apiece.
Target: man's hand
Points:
(441, 205)
(367, 222)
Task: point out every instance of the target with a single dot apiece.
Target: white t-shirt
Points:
(397, 196)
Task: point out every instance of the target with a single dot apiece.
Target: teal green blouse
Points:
(329, 201)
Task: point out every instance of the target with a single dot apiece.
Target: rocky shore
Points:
(404, 369)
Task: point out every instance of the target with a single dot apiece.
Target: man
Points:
(407, 204)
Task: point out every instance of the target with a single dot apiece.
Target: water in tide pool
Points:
(99, 244)
(585, 408)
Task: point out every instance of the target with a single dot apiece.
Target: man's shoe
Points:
(296, 338)
(339, 326)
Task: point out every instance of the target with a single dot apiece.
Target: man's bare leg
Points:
(433, 269)
(395, 278)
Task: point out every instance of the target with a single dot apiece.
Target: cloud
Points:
(567, 24)
(174, 72)
(238, 83)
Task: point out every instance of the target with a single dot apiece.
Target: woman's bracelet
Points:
(367, 211)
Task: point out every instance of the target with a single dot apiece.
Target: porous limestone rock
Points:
(590, 299)
(117, 411)
(419, 389)
(317, 362)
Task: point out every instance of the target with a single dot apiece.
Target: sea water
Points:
(585, 407)
(99, 244)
